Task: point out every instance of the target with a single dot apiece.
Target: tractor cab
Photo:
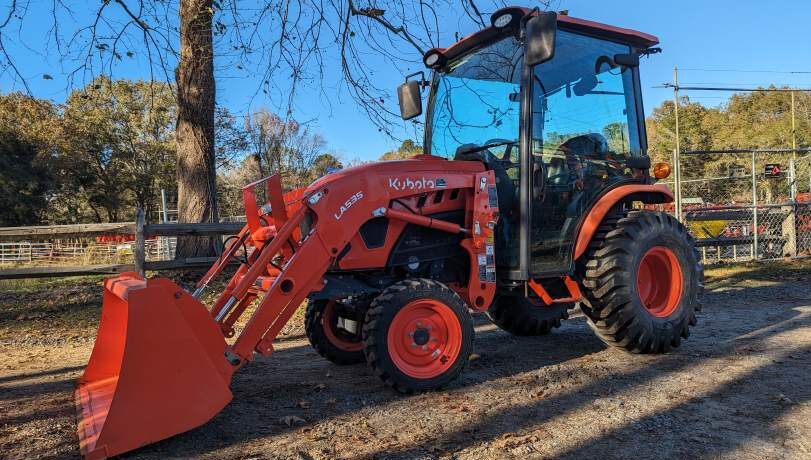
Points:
(552, 105)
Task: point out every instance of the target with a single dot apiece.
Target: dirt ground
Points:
(740, 387)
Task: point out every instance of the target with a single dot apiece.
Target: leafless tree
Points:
(289, 44)
(282, 146)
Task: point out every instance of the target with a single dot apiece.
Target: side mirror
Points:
(627, 60)
(540, 32)
(408, 94)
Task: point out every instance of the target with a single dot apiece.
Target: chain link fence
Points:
(746, 204)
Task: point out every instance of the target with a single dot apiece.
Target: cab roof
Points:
(634, 38)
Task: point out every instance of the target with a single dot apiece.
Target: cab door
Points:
(585, 124)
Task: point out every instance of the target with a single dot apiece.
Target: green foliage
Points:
(407, 149)
(108, 149)
(25, 181)
(118, 146)
(746, 121)
(323, 165)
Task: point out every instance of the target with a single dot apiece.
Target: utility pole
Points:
(793, 166)
(677, 152)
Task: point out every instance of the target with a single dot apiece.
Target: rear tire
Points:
(521, 316)
(331, 342)
(418, 335)
(642, 277)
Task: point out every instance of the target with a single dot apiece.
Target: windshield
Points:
(477, 101)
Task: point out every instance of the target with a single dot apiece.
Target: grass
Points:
(52, 308)
(70, 307)
(772, 270)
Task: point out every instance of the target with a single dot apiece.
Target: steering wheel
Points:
(559, 176)
(505, 158)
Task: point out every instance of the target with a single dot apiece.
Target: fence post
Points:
(164, 241)
(788, 229)
(140, 242)
(754, 209)
(792, 170)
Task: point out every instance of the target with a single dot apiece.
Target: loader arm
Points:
(161, 352)
(301, 271)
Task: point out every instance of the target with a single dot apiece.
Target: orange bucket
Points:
(157, 369)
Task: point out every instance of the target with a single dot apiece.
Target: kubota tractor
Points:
(529, 199)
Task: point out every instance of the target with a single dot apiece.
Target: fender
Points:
(645, 193)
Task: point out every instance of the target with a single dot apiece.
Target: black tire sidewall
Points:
(380, 317)
(515, 314)
(609, 275)
(321, 343)
(675, 242)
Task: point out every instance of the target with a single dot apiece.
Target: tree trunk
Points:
(196, 175)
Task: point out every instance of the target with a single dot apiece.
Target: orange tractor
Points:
(530, 198)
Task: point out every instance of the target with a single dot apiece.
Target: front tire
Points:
(642, 280)
(418, 335)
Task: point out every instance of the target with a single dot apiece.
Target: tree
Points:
(747, 120)
(323, 164)
(196, 167)
(117, 151)
(280, 41)
(29, 129)
(25, 181)
(282, 146)
(230, 181)
(406, 150)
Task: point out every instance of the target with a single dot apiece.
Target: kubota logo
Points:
(414, 184)
(348, 204)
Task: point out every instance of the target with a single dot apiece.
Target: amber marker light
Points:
(661, 170)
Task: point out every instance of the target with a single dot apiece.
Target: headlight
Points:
(503, 21)
(434, 59)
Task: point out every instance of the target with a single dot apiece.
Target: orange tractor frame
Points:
(392, 256)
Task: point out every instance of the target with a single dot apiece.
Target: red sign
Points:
(773, 170)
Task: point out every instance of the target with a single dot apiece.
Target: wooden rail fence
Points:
(139, 228)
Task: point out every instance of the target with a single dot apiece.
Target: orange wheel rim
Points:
(659, 281)
(424, 339)
(329, 321)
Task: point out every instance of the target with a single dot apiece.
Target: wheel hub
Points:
(660, 281)
(421, 336)
(424, 338)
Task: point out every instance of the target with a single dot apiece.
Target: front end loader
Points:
(531, 198)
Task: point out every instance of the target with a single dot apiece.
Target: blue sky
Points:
(766, 38)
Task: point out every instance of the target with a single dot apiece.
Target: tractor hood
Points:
(416, 164)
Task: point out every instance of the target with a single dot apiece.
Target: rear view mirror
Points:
(540, 32)
(410, 99)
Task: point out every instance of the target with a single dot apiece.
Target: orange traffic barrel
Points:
(158, 368)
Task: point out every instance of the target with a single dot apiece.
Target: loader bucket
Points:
(157, 368)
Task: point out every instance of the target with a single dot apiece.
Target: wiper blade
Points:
(488, 146)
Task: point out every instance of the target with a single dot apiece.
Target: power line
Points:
(705, 83)
(788, 72)
(721, 88)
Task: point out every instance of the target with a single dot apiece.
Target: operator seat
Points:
(592, 145)
(578, 151)
(504, 185)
